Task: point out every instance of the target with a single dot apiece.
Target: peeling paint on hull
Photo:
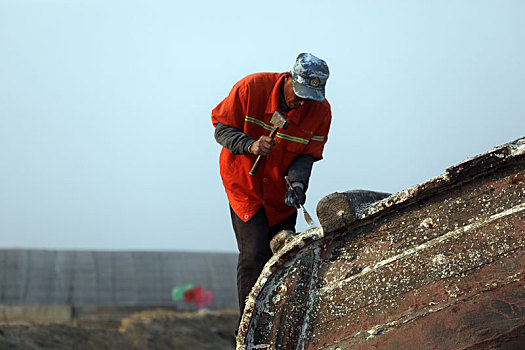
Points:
(440, 265)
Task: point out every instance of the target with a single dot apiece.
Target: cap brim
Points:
(308, 92)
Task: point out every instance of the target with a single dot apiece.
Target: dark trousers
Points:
(253, 241)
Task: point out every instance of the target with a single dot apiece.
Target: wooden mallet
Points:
(279, 122)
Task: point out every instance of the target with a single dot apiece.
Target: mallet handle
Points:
(259, 159)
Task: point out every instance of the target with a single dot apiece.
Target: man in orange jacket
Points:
(261, 205)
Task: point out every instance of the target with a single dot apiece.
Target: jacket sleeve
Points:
(318, 141)
(233, 139)
(300, 169)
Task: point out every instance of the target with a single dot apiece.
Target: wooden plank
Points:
(283, 308)
(491, 316)
(380, 296)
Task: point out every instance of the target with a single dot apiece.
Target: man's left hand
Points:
(291, 200)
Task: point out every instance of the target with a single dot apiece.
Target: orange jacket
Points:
(249, 108)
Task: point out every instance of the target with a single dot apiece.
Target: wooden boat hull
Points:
(437, 266)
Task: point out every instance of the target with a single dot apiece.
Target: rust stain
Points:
(517, 179)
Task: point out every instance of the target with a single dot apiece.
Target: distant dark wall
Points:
(47, 277)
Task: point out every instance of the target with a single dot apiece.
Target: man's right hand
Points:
(263, 146)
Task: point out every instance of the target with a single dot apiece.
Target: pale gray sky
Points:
(106, 140)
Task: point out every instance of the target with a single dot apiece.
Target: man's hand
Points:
(291, 200)
(263, 146)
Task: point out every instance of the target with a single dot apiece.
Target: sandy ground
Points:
(155, 330)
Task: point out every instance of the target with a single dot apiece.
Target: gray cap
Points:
(309, 77)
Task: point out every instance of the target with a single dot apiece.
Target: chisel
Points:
(309, 221)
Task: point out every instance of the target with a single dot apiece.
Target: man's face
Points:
(292, 100)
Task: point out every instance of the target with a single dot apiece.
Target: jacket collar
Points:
(273, 102)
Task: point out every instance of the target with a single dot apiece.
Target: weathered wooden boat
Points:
(437, 266)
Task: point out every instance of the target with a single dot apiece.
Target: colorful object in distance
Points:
(207, 299)
(190, 294)
(177, 293)
(193, 295)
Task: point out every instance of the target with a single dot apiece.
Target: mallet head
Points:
(279, 120)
